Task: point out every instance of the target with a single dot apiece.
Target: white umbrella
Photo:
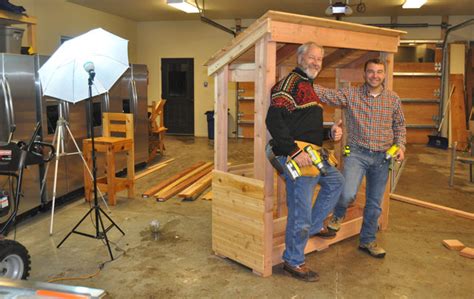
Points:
(63, 76)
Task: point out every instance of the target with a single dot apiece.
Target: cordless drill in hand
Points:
(316, 158)
(392, 152)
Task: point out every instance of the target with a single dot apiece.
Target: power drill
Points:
(316, 158)
(391, 152)
(290, 167)
(293, 169)
(347, 151)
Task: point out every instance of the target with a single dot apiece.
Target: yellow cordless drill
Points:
(293, 169)
(316, 158)
(347, 151)
(392, 152)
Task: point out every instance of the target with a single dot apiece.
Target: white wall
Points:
(185, 39)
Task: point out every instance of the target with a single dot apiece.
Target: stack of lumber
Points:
(196, 189)
(182, 180)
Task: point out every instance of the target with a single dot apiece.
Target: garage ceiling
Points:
(158, 10)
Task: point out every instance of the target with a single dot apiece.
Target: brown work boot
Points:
(301, 272)
(373, 249)
(335, 223)
(326, 233)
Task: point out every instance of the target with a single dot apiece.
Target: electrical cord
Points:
(100, 267)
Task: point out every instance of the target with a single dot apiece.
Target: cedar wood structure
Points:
(248, 217)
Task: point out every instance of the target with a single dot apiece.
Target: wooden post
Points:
(265, 58)
(338, 146)
(265, 61)
(220, 123)
(111, 181)
(282, 70)
(388, 58)
(31, 37)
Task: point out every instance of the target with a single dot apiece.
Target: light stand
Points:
(100, 231)
(62, 128)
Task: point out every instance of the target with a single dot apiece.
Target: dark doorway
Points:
(177, 81)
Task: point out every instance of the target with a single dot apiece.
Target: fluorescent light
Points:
(413, 3)
(183, 5)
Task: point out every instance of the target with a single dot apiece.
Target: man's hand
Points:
(303, 160)
(336, 131)
(400, 155)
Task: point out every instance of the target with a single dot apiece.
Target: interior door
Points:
(178, 89)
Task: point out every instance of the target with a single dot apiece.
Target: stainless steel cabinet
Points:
(18, 74)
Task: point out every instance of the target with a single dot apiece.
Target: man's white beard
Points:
(311, 73)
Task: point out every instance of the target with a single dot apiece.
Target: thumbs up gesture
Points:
(336, 131)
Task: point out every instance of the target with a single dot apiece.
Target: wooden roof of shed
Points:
(293, 28)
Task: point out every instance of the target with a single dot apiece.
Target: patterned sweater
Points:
(295, 113)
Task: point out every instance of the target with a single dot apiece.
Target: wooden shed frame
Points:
(244, 228)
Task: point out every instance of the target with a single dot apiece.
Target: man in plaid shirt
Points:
(375, 122)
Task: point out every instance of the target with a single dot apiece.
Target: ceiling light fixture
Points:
(183, 5)
(413, 4)
(338, 9)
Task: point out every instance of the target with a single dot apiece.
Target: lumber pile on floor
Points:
(196, 189)
(179, 182)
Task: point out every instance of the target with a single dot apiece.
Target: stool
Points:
(112, 125)
(156, 130)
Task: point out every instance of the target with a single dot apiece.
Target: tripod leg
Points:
(111, 221)
(97, 211)
(43, 183)
(74, 229)
(58, 151)
(86, 166)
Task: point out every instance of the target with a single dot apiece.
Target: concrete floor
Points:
(181, 262)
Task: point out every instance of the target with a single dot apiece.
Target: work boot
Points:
(301, 272)
(335, 223)
(326, 233)
(373, 249)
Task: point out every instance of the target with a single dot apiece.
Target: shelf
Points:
(245, 122)
(420, 126)
(9, 18)
(416, 74)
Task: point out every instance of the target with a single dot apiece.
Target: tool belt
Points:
(326, 155)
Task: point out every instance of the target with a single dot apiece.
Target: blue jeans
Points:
(373, 166)
(303, 220)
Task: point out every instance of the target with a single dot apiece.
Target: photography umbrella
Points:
(80, 69)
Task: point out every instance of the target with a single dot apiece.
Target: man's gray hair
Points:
(304, 48)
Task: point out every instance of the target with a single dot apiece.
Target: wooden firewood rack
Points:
(248, 213)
